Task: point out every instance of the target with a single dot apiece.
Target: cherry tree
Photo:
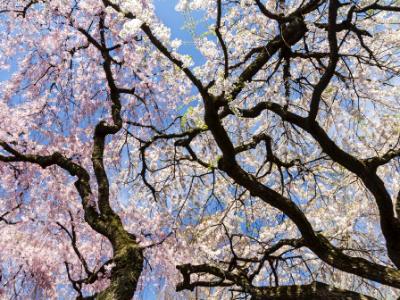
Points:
(83, 82)
(270, 171)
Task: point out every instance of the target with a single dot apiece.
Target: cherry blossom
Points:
(270, 170)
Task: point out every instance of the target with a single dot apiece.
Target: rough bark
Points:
(314, 291)
(127, 254)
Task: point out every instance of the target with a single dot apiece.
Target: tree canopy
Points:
(268, 171)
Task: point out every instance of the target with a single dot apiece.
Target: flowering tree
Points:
(270, 171)
(82, 79)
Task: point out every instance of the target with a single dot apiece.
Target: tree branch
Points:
(315, 290)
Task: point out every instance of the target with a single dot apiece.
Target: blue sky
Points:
(165, 10)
